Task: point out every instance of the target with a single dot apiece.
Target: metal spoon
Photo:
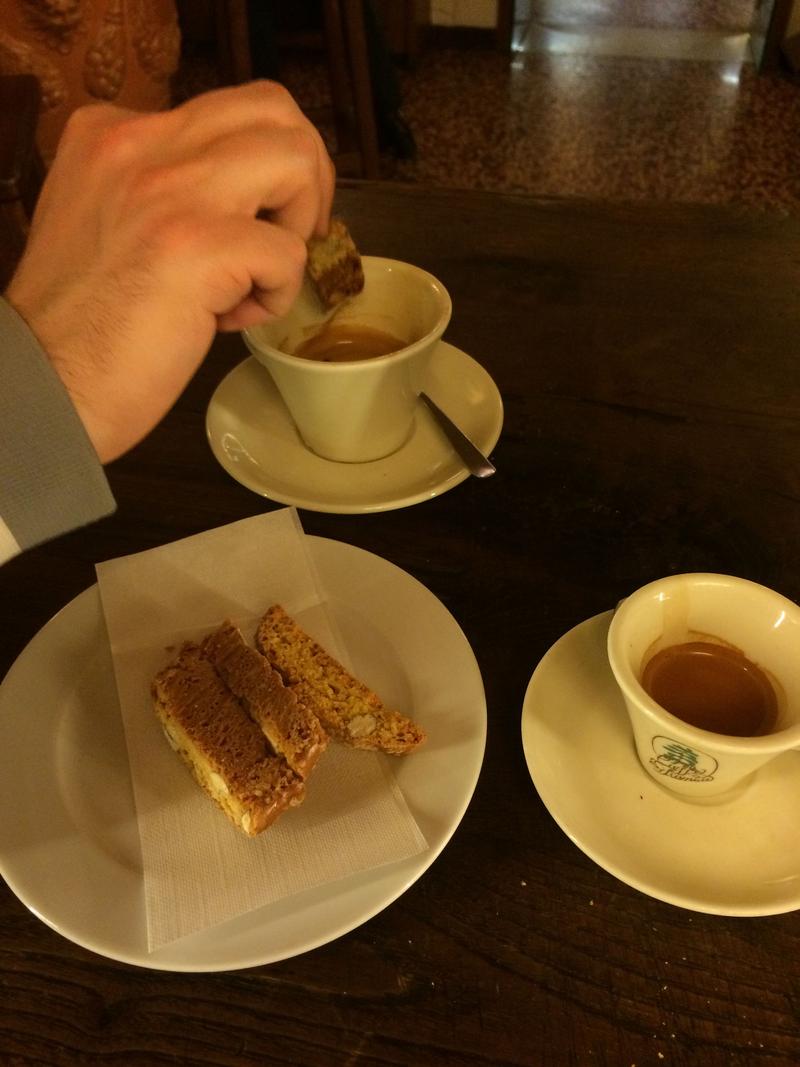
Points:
(472, 456)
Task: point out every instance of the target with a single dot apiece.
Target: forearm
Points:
(151, 233)
(51, 480)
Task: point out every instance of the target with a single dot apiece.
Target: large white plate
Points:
(69, 845)
(740, 856)
(253, 437)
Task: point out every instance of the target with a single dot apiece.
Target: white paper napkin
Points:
(199, 870)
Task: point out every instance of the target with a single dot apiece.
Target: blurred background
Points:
(692, 100)
(659, 100)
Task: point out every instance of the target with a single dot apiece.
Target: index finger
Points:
(282, 172)
(258, 105)
(292, 202)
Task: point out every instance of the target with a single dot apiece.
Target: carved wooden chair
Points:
(21, 167)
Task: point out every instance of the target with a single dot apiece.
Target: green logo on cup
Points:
(676, 760)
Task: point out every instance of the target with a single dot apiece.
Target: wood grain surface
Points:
(647, 357)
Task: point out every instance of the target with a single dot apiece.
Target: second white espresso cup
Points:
(763, 625)
(361, 410)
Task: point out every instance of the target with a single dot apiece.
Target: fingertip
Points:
(258, 308)
(248, 313)
(276, 303)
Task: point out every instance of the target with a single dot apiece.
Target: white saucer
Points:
(69, 845)
(253, 437)
(738, 857)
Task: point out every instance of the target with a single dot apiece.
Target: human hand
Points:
(145, 242)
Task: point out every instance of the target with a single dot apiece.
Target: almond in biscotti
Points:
(347, 708)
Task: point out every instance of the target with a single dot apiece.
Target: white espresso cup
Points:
(364, 409)
(719, 609)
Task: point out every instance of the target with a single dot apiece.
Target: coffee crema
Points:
(340, 343)
(714, 687)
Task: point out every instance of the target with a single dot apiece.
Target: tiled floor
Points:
(618, 99)
(621, 99)
(618, 128)
(726, 16)
(659, 29)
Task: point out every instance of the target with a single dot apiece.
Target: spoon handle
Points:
(474, 459)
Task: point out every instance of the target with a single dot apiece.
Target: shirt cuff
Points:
(51, 480)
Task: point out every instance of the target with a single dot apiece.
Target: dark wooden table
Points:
(647, 357)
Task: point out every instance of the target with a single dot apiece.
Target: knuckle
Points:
(177, 236)
(168, 240)
(154, 185)
(278, 302)
(84, 119)
(284, 110)
(110, 144)
(277, 96)
(161, 186)
(306, 142)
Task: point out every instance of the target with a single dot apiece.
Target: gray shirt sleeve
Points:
(51, 480)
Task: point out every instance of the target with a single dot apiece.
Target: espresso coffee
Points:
(715, 687)
(341, 343)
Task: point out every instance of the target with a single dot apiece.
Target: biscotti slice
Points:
(290, 727)
(347, 708)
(225, 750)
(334, 265)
